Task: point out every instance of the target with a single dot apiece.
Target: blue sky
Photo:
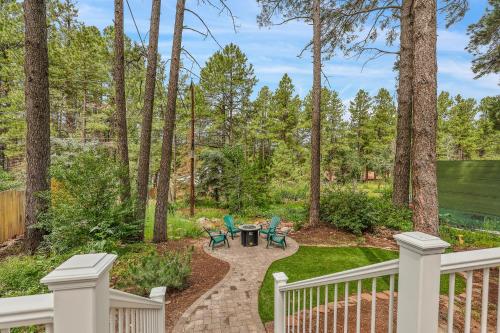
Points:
(273, 51)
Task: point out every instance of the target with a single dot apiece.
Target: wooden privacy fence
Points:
(11, 214)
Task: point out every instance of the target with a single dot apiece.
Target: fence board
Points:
(11, 214)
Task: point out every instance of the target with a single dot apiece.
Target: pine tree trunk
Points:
(160, 226)
(36, 67)
(316, 116)
(401, 183)
(424, 184)
(147, 114)
(121, 107)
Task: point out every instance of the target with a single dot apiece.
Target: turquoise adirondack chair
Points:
(278, 238)
(271, 228)
(232, 229)
(216, 238)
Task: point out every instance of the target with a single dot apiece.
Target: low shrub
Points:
(347, 209)
(8, 181)
(139, 274)
(355, 211)
(85, 203)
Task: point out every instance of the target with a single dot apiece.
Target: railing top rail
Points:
(470, 260)
(376, 270)
(26, 310)
(120, 299)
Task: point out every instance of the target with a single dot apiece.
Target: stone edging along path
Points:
(232, 304)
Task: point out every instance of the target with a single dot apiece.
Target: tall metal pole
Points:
(192, 196)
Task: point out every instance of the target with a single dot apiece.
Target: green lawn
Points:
(312, 261)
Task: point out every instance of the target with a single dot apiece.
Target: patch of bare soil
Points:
(11, 247)
(206, 271)
(326, 235)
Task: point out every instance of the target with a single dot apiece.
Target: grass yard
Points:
(312, 261)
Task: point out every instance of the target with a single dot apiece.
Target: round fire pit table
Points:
(249, 234)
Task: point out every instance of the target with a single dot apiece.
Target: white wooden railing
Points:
(304, 306)
(82, 302)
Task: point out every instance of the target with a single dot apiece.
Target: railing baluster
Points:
(346, 307)
(310, 309)
(358, 309)
(49, 328)
(391, 304)
(127, 320)
(374, 304)
(304, 313)
(317, 309)
(293, 311)
(134, 322)
(335, 295)
(120, 320)
(484, 301)
(468, 301)
(288, 313)
(285, 314)
(326, 309)
(298, 311)
(451, 301)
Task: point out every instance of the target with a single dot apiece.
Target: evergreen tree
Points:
(382, 133)
(227, 81)
(485, 41)
(359, 110)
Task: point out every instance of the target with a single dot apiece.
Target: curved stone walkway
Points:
(232, 304)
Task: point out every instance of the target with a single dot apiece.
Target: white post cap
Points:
(158, 293)
(280, 277)
(79, 271)
(421, 243)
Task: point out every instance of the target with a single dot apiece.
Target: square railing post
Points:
(158, 294)
(81, 293)
(419, 282)
(280, 279)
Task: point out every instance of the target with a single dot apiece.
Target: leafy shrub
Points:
(356, 212)
(8, 181)
(144, 272)
(347, 209)
(387, 215)
(85, 205)
(20, 275)
(467, 238)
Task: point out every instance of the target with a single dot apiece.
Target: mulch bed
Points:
(326, 235)
(206, 271)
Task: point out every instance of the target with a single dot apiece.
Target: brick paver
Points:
(232, 304)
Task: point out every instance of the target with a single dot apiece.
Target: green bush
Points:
(387, 215)
(150, 270)
(355, 211)
(347, 209)
(20, 275)
(85, 203)
(8, 181)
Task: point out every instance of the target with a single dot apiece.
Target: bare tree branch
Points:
(209, 32)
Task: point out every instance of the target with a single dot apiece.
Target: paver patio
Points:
(232, 304)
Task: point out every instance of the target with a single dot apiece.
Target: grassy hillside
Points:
(469, 186)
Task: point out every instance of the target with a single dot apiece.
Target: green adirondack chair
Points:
(278, 237)
(232, 229)
(216, 238)
(271, 228)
